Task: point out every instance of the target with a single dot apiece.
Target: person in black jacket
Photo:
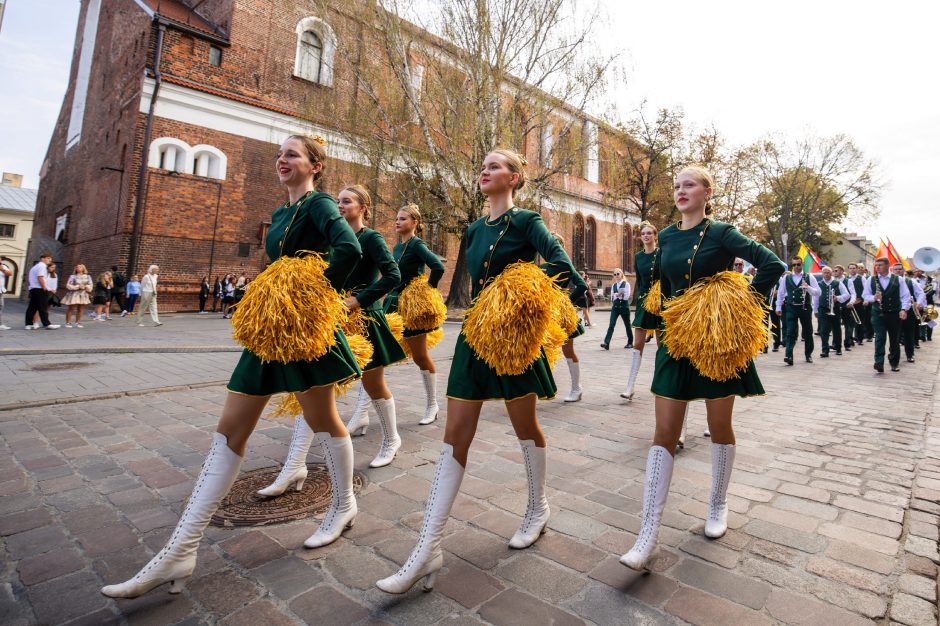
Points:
(118, 289)
(204, 291)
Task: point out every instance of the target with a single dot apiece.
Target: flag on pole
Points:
(897, 255)
(811, 261)
(885, 251)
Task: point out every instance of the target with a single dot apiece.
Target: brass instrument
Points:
(880, 291)
(930, 314)
(832, 299)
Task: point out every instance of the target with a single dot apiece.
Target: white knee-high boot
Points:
(658, 476)
(722, 463)
(294, 471)
(358, 424)
(685, 426)
(574, 368)
(634, 369)
(177, 560)
(391, 442)
(537, 511)
(430, 393)
(427, 559)
(338, 456)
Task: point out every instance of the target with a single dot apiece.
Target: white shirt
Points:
(797, 278)
(842, 294)
(847, 284)
(869, 297)
(620, 291)
(919, 296)
(52, 283)
(148, 283)
(3, 277)
(40, 269)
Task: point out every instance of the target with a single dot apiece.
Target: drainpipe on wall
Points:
(140, 197)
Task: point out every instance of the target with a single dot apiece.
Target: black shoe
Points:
(910, 359)
(809, 359)
(895, 368)
(880, 368)
(788, 360)
(824, 355)
(605, 346)
(628, 346)
(917, 347)
(847, 349)
(776, 348)
(839, 352)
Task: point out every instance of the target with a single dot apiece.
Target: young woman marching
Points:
(308, 223)
(412, 254)
(579, 286)
(364, 290)
(694, 256)
(495, 242)
(644, 323)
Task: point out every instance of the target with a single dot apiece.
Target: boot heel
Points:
(177, 585)
(429, 581)
(359, 432)
(350, 523)
(300, 484)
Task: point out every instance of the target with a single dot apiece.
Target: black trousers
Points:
(798, 318)
(909, 334)
(38, 302)
(776, 328)
(619, 310)
(118, 299)
(849, 323)
(829, 324)
(869, 324)
(202, 303)
(887, 326)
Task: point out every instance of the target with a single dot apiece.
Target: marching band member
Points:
(918, 302)
(848, 309)
(926, 283)
(828, 309)
(694, 254)
(889, 300)
(794, 293)
(856, 281)
(412, 254)
(578, 290)
(507, 237)
(644, 323)
(309, 221)
(619, 308)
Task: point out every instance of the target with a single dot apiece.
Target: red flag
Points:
(897, 255)
(885, 251)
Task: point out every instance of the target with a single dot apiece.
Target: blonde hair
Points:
(703, 176)
(315, 147)
(414, 213)
(516, 164)
(647, 224)
(105, 278)
(81, 269)
(362, 195)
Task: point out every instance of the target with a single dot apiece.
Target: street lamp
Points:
(785, 237)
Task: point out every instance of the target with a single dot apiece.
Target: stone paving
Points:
(835, 502)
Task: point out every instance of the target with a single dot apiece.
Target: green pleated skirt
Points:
(578, 331)
(472, 379)
(390, 305)
(386, 349)
(644, 320)
(678, 379)
(252, 377)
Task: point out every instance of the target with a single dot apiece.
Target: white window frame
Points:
(592, 161)
(201, 160)
(327, 39)
(209, 162)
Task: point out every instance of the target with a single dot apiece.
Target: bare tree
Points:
(514, 73)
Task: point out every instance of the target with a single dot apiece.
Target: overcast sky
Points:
(866, 69)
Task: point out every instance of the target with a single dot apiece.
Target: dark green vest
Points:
(858, 284)
(890, 298)
(796, 296)
(825, 295)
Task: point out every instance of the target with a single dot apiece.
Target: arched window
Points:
(590, 244)
(628, 248)
(316, 45)
(167, 153)
(577, 242)
(10, 281)
(209, 161)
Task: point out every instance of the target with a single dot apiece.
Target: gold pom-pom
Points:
(653, 302)
(396, 325)
(511, 320)
(361, 348)
(432, 338)
(286, 407)
(421, 305)
(355, 323)
(290, 311)
(718, 324)
(555, 338)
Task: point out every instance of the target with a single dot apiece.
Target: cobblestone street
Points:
(835, 498)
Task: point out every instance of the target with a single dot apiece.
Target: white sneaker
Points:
(51, 327)
(68, 325)
(29, 327)
(141, 324)
(123, 313)
(79, 326)
(4, 327)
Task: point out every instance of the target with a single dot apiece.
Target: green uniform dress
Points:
(687, 256)
(645, 264)
(313, 224)
(364, 283)
(517, 235)
(577, 288)
(411, 257)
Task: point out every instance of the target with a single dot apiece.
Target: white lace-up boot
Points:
(175, 563)
(537, 511)
(430, 392)
(427, 559)
(722, 462)
(658, 477)
(338, 456)
(358, 424)
(634, 370)
(294, 471)
(391, 442)
(574, 368)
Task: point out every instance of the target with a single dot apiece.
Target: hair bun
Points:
(320, 140)
(525, 161)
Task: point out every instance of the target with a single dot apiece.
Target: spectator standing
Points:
(77, 288)
(204, 290)
(589, 301)
(148, 296)
(133, 292)
(5, 272)
(117, 291)
(216, 294)
(38, 294)
(102, 296)
(240, 286)
(52, 286)
(228, 295)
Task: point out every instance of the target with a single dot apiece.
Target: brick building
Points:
(164, 148)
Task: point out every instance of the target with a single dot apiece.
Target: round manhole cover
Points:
(63, 365)
(244, 507)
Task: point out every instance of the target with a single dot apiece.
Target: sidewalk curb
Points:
(117, 350)
(107, 396)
